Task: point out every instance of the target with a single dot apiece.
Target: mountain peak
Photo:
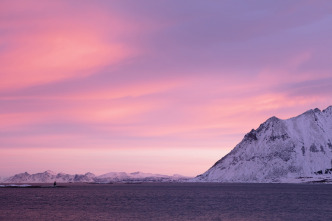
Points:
(273, 119)
(310, 112)
(50, 172)
(89, 174)
(328, 110)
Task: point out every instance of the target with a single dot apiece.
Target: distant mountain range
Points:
(50, 176)
(295, 150)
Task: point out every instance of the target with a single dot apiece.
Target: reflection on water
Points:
(176, 201)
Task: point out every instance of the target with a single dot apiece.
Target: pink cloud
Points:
(56, 47)
(55, 56)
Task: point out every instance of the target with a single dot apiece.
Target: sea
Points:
(168, 201)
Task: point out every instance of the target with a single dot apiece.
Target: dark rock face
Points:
(303, 150)
(313, 148)
(326, 171)
(251, 135)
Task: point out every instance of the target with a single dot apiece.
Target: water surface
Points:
(173, 201)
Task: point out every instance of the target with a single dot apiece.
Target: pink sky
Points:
(155, 86)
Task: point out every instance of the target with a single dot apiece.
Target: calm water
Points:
(168, 202)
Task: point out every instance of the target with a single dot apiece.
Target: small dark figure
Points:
(54, 184)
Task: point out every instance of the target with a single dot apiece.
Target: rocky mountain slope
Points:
(298, 149)
(50, 177)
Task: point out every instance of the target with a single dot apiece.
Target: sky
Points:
(163, 86)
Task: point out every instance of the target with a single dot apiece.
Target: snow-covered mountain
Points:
(298, 149)
(139, 177)
(50, 176)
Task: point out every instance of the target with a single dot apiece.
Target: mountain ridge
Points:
(50, 176)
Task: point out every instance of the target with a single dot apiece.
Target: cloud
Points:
(41, 48)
